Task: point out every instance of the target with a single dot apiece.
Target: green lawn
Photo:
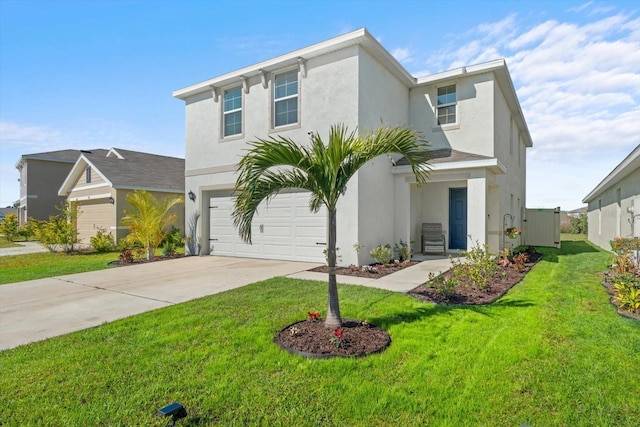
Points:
(16, 268)
(552, 352)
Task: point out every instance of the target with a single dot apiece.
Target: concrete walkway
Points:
(39, 309)
(24, 248)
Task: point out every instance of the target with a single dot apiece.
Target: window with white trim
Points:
(232, 112)
(285, 99)
(446, 102)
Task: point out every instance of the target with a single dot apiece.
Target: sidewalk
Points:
(25, 248)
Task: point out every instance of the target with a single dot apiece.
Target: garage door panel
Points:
(283, 229)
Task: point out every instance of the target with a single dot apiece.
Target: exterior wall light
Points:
(192, 196)
(111, 200)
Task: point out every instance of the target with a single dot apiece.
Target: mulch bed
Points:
(367, 271)
(120, 263)
(313, 339)
(608, 285)
(503, 280)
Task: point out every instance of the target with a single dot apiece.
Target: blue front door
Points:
(458, 218)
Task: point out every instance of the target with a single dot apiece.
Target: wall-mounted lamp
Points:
(192, 196)
(111, 200)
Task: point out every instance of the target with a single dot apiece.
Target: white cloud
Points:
(402, 54)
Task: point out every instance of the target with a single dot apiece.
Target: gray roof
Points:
(136, 170)
(446, 155)
(61, 156)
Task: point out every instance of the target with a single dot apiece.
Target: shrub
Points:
(403, 250)
(9, 227)
(172, 242)
(60, 229)
(443, 285)
(627, 288)
(479, 267)
(28, 229)
(382, 254)
(579, 225)
(102, 241)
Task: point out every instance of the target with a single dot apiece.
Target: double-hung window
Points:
(446, 105)
(285, 99)
(232, 115)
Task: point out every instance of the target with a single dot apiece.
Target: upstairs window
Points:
(232, 114)
(285, 99)
(87, 175)
(446, 105)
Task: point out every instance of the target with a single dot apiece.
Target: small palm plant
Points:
(278, 163)
(149, 219)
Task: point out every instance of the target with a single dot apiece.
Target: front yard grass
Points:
(551, 352)
(17, 268)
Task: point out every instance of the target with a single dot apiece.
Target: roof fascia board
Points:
(624, 168)
(358, 37)
(157, 190)
(76, 171)
(494, 165)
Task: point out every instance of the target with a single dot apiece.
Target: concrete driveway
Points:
(39, 309)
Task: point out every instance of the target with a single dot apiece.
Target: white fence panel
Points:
(542, 227)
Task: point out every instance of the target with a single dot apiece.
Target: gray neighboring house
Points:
(41, 175)
(100, 181)
(614, 205)
(6, 211)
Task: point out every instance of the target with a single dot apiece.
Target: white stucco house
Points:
(613, 207)
(470, 116)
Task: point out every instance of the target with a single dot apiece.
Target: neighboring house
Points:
(100, 181)
(6, 211)
(471, 117)
(614, 205)
(41, 175)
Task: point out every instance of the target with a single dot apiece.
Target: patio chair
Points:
(433, 240)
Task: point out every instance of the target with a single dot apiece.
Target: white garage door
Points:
(284, 229)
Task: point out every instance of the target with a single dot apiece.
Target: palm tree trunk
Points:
(333, 319)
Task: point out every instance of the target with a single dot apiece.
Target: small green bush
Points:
(60, 229)
(382, 254)
(403, 250)
(443, 285)
(9, 227)
(627, 288)
(172, 242)
(102, 241)
(478, 268)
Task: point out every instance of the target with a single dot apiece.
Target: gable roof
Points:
(60, 156)
(628, 165)
(130, 170)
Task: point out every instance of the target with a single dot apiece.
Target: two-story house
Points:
(41, 175)
(471, 117)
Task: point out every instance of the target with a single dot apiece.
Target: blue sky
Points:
(99, 74)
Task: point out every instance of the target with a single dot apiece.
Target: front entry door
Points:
(458, 218)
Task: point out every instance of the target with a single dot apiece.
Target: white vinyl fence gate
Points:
(542, 227)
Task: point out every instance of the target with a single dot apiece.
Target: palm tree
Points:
(149, 219)
(279, 163)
